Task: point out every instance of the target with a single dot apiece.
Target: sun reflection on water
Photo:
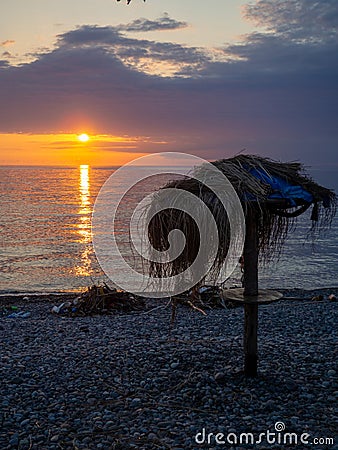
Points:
(84, 224)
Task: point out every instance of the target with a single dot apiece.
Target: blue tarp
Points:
(281, 189)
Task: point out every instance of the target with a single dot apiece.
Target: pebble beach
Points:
(130, 381)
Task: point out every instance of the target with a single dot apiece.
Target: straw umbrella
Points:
(272, 194)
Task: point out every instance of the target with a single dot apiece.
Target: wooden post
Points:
(251, 255)
(250, 290)
(250, 339)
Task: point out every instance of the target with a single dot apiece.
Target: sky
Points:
(208, 78)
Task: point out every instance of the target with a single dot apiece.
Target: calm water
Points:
(45, 241)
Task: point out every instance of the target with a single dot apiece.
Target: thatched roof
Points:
(242, 173)
(277, 191)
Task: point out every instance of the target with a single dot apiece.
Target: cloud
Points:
(272, 94)
(110, 143)
(309, 20)
(163, 23)
(154, 58)
(90, 35)
(275, 59)
(7, 43)
(298, 45)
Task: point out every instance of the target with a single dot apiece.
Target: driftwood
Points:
(206, 297)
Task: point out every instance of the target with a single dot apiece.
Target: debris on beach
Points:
(206, 297)
(13, 312)
(100, 300)
(6, 310)
(19, 314)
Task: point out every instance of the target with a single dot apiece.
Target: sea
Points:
(46, 241)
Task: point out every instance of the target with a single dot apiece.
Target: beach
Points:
(127, 381)
(168, 226)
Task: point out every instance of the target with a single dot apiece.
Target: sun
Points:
(83, 137)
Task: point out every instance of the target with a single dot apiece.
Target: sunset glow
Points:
(65, 149)
(83, 137)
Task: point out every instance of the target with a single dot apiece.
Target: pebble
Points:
(14, 440)
(220, 377)
(125, 382)
(17, 380)
(24, 423)
(174, 365)
(152, 437)
(136, 402)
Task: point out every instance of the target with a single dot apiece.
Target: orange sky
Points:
(65, 149)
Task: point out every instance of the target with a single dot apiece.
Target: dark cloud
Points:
(163, 23)
(91, 35)
(269, 59)
(139, 53)
(309, 20)
(273, 94)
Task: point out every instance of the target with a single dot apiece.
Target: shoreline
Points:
(49, 297)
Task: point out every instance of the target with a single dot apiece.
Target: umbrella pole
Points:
(250, 290)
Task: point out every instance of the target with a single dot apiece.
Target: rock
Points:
(24, 422)
(17, 380)
(109, 424)
(14, 440)
(174, 365)
(152, 437)
(220, 377)
(136, 402)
